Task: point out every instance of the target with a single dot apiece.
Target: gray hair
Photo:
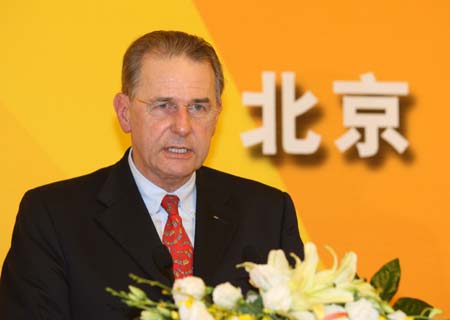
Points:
(169, 44)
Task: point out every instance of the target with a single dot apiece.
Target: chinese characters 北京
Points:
(368, 105)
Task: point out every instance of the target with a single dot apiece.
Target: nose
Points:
(182, 124)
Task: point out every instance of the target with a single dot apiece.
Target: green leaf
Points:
(254, 307)
(387, 279)
(164, 312)
(413, 307)
(151, 315)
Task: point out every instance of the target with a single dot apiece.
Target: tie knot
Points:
(170, 204)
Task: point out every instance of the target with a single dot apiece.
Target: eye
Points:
(199, 108)
(161, 105)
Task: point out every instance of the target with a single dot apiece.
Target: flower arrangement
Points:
(301, 292)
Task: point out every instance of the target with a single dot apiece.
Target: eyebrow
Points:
(202, 100)
(162, 99)
(165, 99)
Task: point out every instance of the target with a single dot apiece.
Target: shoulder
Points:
(69, 187)
(87, 184)
(236, 185)
(81, 193)
(64, 203)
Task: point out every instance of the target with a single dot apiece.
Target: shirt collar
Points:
(153, 195)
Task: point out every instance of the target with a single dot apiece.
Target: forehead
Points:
(177, 76)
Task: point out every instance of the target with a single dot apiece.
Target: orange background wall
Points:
(60, 67)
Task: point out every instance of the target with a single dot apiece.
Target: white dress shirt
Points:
(153, 195)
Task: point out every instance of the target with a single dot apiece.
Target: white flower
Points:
(304, 273)
(277, 298)
(397, 315)
(194, 310)
(265, 276)
(188, 287)
(336, 310)
(277, 259)
(333, 308)
(361, 310)
(304, 300)
(310, 287)
(303, 315)
(226, 295)
(347, 269)
(272, 274)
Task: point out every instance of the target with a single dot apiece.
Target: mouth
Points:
(178, 150)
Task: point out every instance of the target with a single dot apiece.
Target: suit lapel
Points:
(214, 226)
(127, 220)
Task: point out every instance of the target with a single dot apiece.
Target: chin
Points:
(181, 172)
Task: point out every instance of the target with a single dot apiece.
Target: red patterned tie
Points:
(176, 239)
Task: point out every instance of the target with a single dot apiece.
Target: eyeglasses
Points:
(164, 108)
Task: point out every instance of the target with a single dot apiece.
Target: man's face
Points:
(169, 147)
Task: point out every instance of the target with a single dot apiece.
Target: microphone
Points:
(163, 260)
(251, 254)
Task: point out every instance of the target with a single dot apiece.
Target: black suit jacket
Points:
(74, 238)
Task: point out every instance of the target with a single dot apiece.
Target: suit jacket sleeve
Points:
(290, 236)
(33, 283)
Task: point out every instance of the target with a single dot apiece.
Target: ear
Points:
(122, 106)
(219, 107)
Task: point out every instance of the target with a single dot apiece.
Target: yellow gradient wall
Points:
(60, 68)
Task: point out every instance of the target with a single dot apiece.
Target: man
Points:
(74, 238)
